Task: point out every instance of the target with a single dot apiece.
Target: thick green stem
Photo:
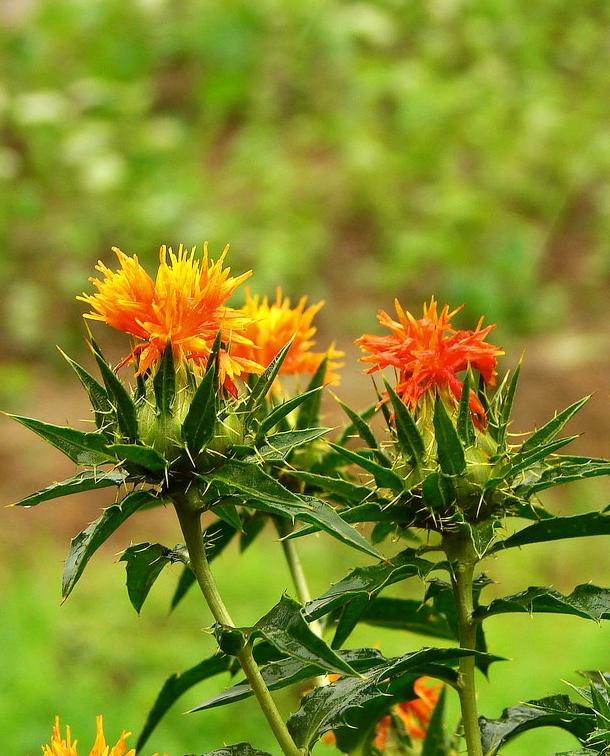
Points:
(296, 568)
(464, 561)
(190, 522)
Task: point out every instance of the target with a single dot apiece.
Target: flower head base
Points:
(184, 305)
(428, 353)
(68, 747)
(271, 325)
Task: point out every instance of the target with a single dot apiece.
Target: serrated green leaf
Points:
(142, 456)
(409, 437)
(333, 706)
(348, 430)
(408, 615)
(87, 480)
(368, 581)
(86, 543)
(175, 686)
(507, 407)
(199, 423)
(587, 601)
(104, 412)
(567, 469)
(435, 742)
(82, 448)
(117, 393)
(369, 512)
(164, 383)
(263, 492)
(284, 672)
(359, 425)
(144, 563)
(283, 410)
(343, 489)
(553, 711)
(309, 414)
(548, 431)
(227, 511)
(450, 451)
(519, 462)
(384, 477)
(279, 445)
(557, 528)
(263, 384)
(465, 428)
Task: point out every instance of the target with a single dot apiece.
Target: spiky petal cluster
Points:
(67, 747)
(428, 353)
(414, 714)
(271, 325)
(185, 304)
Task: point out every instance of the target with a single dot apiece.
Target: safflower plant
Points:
(215, 410)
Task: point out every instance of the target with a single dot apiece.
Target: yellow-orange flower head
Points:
(67, 747)
(184, 305)
(272, 324)
(428, 353)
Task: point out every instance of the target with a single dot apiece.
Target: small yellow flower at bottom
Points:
(67, 747)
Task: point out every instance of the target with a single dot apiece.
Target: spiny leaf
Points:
(350, 428)
(288, 671)
(449, 447)
(507, 406)
(279, 445)
(587, 601)
(86, 543)
(263, 492)
(87, 480)
(554, 711)
(566, 469)
(548, 431)
(384, 477)
(82, 448)
(309, 414)
(239, 749)
(465, 428)
(408, 615)
(144, 563)
(363, 430)
(199, 423)
(105, 415)
(282, 410)
(164, 383)
(520, 463)
(264, 383)
(368, 581)
(142, 456)
(339, 487)
(175, 686)
(556, 528)
(117, 393)
(409, 437)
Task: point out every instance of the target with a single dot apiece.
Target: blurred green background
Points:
(352, 150)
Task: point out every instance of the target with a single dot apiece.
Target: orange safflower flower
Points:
(67, 747)
(270, 327)
(428, 353)
(185, 304)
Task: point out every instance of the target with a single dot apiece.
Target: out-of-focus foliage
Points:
(460, 147)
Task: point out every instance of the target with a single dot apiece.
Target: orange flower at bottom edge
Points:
(68, 747)
(428, 353)
(272, 324)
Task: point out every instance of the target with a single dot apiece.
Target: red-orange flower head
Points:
(271, 325)
(428, 353)
(185, 304)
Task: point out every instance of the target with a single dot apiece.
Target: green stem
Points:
(190, 523)
(296, 568)
(461, 551)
